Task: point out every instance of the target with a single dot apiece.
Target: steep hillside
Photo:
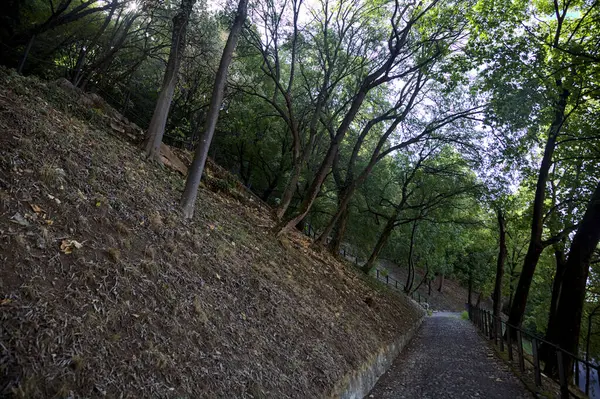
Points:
(106, 292)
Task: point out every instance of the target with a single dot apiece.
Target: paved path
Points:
(448, 359)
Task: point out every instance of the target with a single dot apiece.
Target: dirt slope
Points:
(106, 292)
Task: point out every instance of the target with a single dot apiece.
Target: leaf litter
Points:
(144, 304)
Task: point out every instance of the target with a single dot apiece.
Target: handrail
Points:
(494, 328)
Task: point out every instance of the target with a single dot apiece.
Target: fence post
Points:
(387, 279)
(520, 351)
(509, 340)
(377, 273)
(495, 320)
(536, 362)
(485, 323)
(562, 376)
(501, 334)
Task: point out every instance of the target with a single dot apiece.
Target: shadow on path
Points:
(448, 359)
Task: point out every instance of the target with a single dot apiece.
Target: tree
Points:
(399, 61)
(192, 183)
(426, 188)
(497, 296)
(566, 330)
(156, 130)
(537, 88)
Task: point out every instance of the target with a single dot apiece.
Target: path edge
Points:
(358, 383)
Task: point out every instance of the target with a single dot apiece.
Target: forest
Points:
(453, 138)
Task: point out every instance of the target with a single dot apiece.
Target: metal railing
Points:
(512, 339)
(398, 286)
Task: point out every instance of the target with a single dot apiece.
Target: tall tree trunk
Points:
(470, 289)
(77, 73)
(517, 309)
(411, 266)
(500, 265)
(343, 202)
(289, 190)
(156, 130)
(339, 232)
(383, 238)
(587, 349)
(190, 193)
(340, 133)
(441, 286)
(545, 350)
(25, 54)
(566, 330)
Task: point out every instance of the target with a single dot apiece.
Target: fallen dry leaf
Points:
(67, 246)
(36, 208)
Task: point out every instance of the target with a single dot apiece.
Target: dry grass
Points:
(150, 305)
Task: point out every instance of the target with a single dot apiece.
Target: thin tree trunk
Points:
(565, 332)
(190, 193)
(289, 190)
(339, 232)
(383, 238)
(441, 286)
(470, 292)
(26, 54)
(411, 266)
(587, 349)
(425, 277)
(500, 265)
(156, 130)
(517, 309)
(325, 166)
(545, 350)
(345, 196)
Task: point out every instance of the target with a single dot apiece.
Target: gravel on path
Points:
(448, 359)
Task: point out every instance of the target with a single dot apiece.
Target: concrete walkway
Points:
(448, 359)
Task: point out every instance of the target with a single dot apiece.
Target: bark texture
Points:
(566, 330)
(156, 130)
(536, 245)
(192, 183)
(500, 264)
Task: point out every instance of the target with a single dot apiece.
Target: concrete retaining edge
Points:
(358, 383)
